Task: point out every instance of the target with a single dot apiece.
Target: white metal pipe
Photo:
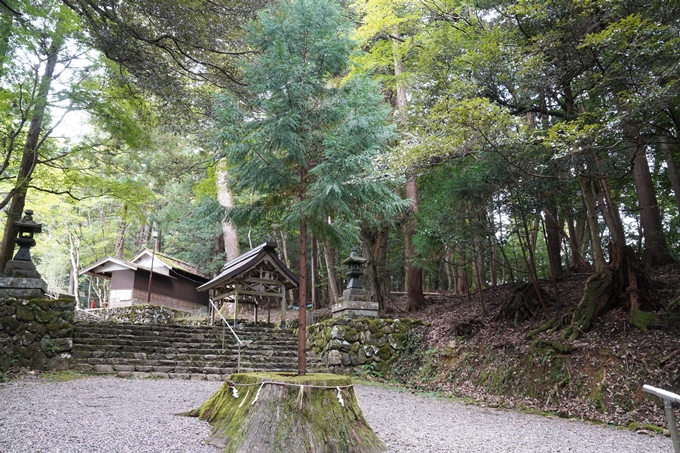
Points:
(668, 399)
(665, 394)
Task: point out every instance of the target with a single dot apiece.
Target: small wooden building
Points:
(257, 277)
(173, 285)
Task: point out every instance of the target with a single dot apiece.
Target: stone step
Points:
(93, 337)
(179, 351)
(107, 357)
(178, 329)
(163, 348)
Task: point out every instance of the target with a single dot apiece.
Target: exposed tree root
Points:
(552, 325)
(624, 284)
(522, 304)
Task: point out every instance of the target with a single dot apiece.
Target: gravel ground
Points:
(106, 414)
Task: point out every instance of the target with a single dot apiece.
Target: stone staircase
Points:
(182, 352)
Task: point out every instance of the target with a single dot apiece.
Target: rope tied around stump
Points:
(234, 390)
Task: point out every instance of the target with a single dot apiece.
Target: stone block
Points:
(61, 362)
(60, 328)
(30, 350)
(179, 376)
(214, 377)
(128, 368)
(143, 368)
(197, 377)
(38, 361)
(46, 317)
(10, 324)
(24, 313)
(24, 339)
(102, 368)
(56, 345)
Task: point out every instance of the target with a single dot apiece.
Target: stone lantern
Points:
(354, 302)
(20, 279)
(25, 228)
(354, 262)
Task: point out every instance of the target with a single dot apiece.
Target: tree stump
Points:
(271, 412)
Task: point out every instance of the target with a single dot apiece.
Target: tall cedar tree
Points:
(307, 143)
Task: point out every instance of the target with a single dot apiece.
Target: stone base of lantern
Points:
(21, 280)
(353, 304)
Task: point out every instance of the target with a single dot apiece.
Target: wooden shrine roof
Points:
(263, 256)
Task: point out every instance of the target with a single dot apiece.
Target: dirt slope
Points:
(598, 377)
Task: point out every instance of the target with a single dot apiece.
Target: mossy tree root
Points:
(624, 283)
(601, 293)
(288, 414)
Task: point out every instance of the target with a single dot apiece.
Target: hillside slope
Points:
(504, 362)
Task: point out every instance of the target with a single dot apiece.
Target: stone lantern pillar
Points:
(354, 302)
(20, 278)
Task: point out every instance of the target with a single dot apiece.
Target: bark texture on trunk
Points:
(554, 241)
(302, 297)
(229, 231)
(656, 252)
(376, 273)
(673, 171)
(414, 274)
(329, 256)
(269, 412)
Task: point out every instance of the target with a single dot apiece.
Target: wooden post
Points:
(235, 302)
(284, 306)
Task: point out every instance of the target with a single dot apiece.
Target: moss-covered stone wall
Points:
(358, 345)
(144, 314)
(36, 334)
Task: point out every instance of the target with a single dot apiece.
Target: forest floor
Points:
(465, 352)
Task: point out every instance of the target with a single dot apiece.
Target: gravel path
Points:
(106, 414)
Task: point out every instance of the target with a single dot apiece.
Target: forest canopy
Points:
(460, 145)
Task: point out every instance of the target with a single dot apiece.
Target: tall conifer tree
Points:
(308, 140)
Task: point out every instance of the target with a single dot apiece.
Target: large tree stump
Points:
(270, 413)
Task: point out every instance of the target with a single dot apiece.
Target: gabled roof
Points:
(171, 263)
(105, 266)
(250, 260)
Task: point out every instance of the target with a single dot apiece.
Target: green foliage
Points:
(307, 144)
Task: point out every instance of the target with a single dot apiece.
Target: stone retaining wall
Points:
(36, 334)
(358, 345)
(144, 314)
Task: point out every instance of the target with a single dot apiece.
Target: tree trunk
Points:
(622, 282)
(315, 274)
(593, 225)
(449, 258)
(224, 198)
(120, 237)
(374, 248)
(673, 171)
(413, 280)
(269, 412)
(74, 258)
(329, 256)
(29, 159)
(554, 242)
(302, 291)
(656, 252)
(462, 286)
